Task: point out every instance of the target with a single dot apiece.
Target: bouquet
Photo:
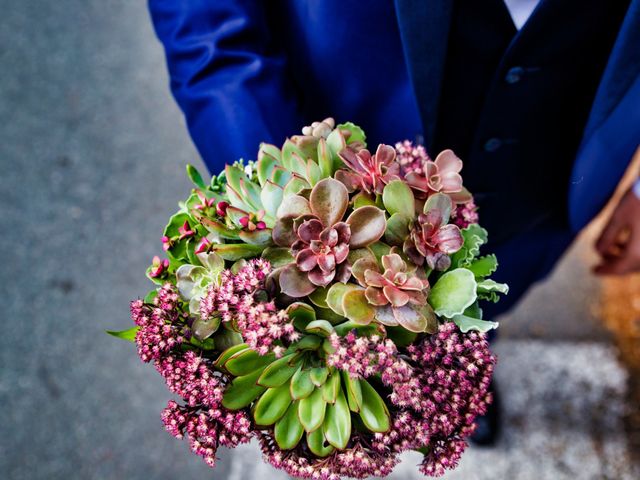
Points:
(324, 300)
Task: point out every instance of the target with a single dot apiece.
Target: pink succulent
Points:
(253, 221)
(158, 267)
(398, 291)
(203, 246)
(368, 172)
(221, 208)
(440, 176)
(431, 240)
(205, 202)
(166, 243)
(322, 252)
(185, 231)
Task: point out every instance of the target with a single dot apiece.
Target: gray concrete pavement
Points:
(89, 136)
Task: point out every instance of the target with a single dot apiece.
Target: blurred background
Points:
(92, 150)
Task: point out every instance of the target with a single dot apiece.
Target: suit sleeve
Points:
(227, 76)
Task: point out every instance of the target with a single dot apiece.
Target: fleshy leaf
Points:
(336, 293)
(268, 158)
(356, 134)
(380, 249)
(195, 177)
(311, 410)
(397, 197)
(320, 327)
(257, 237)
(295, 283)
(474, 237)
(397, 229)
(319, 375)
(319, 297)
(440, 202)
(288, 430)
(484, 266)
(280, 371)
(466, 324)
(129, 334)
(242, 391)
(203, 328)
(236, 251)
(301, 315)
(272, 405)
(401, 336)
(228, 353)
(324, 159)
(277, 256)
(301, 384)
(337, 422)
(247, 361)
(317, 443)
(336, 143)
(271, 197)
(329, 200)
(367, 226)
(357, 308)
(354, 391)
(453, 292)
(294, 206)
(363, 199)
(331, 387)
(373, 411)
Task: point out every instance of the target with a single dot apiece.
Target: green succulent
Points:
(298, 395)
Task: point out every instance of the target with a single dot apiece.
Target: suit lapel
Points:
(424, 29)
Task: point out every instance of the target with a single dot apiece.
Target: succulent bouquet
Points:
(325, 301)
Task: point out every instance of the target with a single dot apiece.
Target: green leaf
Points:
(356, 133)
(301, 315)
(150, 297)
(397, 197)
(440, 202)
(195, 176)
(466, 324)
(320, 327)
(225, 339)
(335, 144)
(236, 251)
(311, 410)
(178, 249)
(331, 387)
(397, 229)
(324, 159)
(453, 292)
(373, 411)
(401, 336)
(319, 297)
(357, 308)
(288, 430)
(486, 286)
(474, 237)
(301, 384)
(308, 342)
(335, 295)
(354, 391)
(484, 266)
(228, 353)
(277, 256)
(272, 405)
(247, 361)
(129, 334)
(317, 443)
(242, 391)
(362, 199)
(337, 422)
(259, 238)
(271, 197)
(319, 375)
(380, 249)
(280, 371)
(203, 328)
(268, 158)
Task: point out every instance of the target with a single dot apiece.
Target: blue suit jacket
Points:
(358, 61)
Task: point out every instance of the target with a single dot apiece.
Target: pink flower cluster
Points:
(261, 323)
(202, 419)
(207, 429)
(465, 214)
(360, 460)
(366, 356)
(411, 157)
(161, 327)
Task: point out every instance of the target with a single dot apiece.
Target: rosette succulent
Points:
(439, 176)
(366, 172)
(320, 239)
